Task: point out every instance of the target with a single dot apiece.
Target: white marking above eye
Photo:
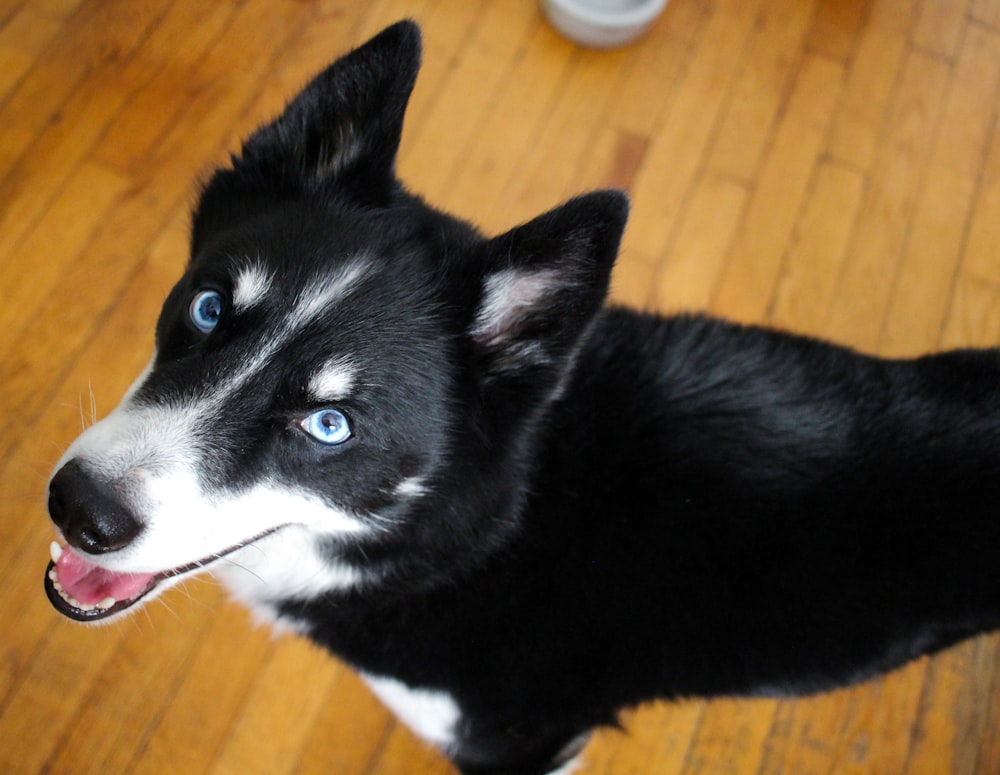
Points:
(333, 381)
(316, 298)
(411, 487)
(252, 284)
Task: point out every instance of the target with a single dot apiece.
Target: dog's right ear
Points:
(543, 283)
(345, 126)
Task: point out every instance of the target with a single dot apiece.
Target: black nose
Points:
(90, 517)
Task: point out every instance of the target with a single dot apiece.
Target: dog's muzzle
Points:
(93, 522)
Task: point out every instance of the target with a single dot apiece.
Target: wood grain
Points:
(828, 166)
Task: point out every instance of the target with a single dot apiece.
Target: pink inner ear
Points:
(509, 297)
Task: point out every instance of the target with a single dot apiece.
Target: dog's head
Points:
(345, 382)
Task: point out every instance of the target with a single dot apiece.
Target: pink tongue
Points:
(90, 584)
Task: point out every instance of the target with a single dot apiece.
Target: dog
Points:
(514, 509)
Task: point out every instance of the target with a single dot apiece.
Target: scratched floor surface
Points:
(827, 166)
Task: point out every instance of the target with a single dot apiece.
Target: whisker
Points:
(382, 523)
(169, 608)
(145, 612)
(42, 469)
(253, 545)
(245, 569)
(93, 402)
(197, 599)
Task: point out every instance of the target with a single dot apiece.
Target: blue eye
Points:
(328, 426)
(205, 310)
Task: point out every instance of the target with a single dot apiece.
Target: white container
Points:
(602, 23)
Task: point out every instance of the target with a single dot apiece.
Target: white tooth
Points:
(106, 603)
(55, 550)
(52, 575)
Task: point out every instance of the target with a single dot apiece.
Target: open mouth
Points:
(85, 592)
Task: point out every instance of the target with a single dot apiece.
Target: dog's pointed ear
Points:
(346, 122)
(545, 282)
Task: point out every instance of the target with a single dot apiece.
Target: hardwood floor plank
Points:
(653, 70)
(559, 157)
(197, 713)
(805, 288)
(507, 128)
(278, 712)
(63, 231)
(448, 28)
(678, 150)
(94, 36)
(974, 316)
(443, 137)
(877, 243)
(830, 167)
(152, 673)
(657, 739)
(765, 80)
(873, 73)
(939, 26)
(65, 139)
(56, 9)
(788, 170)
(835, 28)
(22, 37)
(879, 723)
(730, 737)
(179, 42)
(941, 216)
(50, 697)
(986, 12)
(346, 742)
(953, 712)
(979, 257)
(988, 746)
(691, 269)
(804, 736)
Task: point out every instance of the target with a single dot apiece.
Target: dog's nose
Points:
(91, 519)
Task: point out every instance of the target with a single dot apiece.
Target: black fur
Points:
(714, 510)
(619, 507)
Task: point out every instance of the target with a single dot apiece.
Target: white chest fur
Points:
(432, 715)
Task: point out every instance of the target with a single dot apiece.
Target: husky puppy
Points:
(513, 509)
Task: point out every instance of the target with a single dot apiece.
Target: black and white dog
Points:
(514, 510)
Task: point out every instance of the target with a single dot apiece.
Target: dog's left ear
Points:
(544, 283)
(346, 124)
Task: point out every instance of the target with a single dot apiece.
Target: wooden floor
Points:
(826, 166)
